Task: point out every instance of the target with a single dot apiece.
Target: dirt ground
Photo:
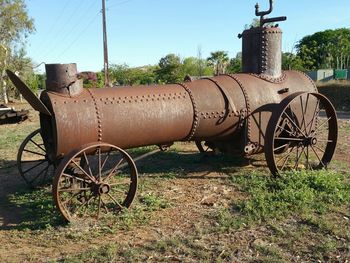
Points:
(191, 194)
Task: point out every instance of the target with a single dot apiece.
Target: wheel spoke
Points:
(318, 157)
(119, 190)
(121, 183)
(87, 163)
(85, 203)
(36, 153)
(298, 158)
(113, 170)
(295, 125)
(81, 169)
(99, 163)
(34, 166)
(304, 111)
(315, 115)
(318, 148)
(322, 125)
(38, 175)
(70, 198)
(104, 205)
(327, 141)
(99, 207)
(280, 147)
(37, 145)
(115, 201)
(287, 156)
(289, 139)
(75, 177)
(45, 175)
(307, 156)
(74, 189)
(33, 161)
(105, 160)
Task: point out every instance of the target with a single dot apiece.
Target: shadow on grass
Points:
(22, 207)
(183, 164)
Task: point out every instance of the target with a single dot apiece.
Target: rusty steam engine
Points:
(84, 132)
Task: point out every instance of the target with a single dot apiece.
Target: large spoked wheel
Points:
(302, 134)
(203, 147)
(94, 181)
(32, 161)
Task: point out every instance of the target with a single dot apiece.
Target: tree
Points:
(15, 25)
(235, 64)
(170, 69)
(123, 75)
(325, 49)
(219, 60)
(291, 61)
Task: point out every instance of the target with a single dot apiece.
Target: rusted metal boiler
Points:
(84, 132)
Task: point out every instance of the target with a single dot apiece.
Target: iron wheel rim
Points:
(309, 145)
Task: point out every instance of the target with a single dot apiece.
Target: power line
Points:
(58, 34)
(53, 26)
(73, 29)
(78, 36)
(120, 3)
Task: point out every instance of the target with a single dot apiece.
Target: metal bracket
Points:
(262, 15)
(242, 117)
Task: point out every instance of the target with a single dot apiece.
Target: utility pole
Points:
(105, 47)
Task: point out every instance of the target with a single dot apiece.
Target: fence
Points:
(329, 74)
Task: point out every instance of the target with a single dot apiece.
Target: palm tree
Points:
(219, 60)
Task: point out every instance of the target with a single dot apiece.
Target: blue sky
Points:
(140, 32)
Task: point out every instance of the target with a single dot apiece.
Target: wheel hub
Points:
(310, 141)
(101, 188)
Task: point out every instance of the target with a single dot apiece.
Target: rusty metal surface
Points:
(27, 93)
(208, 109)
(63, 79)
(262, 51)
(263, 97)
(262, 47)
(126, 117)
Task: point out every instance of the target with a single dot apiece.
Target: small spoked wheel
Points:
(203, 146)
(33, 164)
(94, 181)
(302, 134)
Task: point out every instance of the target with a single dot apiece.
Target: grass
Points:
(101, 254)
(314, 192)
(338, 93)
(297, 210)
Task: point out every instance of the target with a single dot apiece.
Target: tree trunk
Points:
(3, 80)
(4, 89)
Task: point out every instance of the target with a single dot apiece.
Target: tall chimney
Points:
(262, 46)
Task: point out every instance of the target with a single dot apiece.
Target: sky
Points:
(140, 32)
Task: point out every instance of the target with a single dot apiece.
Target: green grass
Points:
(10, 140)
(35, 209)
(294, 193)
(102, 254)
